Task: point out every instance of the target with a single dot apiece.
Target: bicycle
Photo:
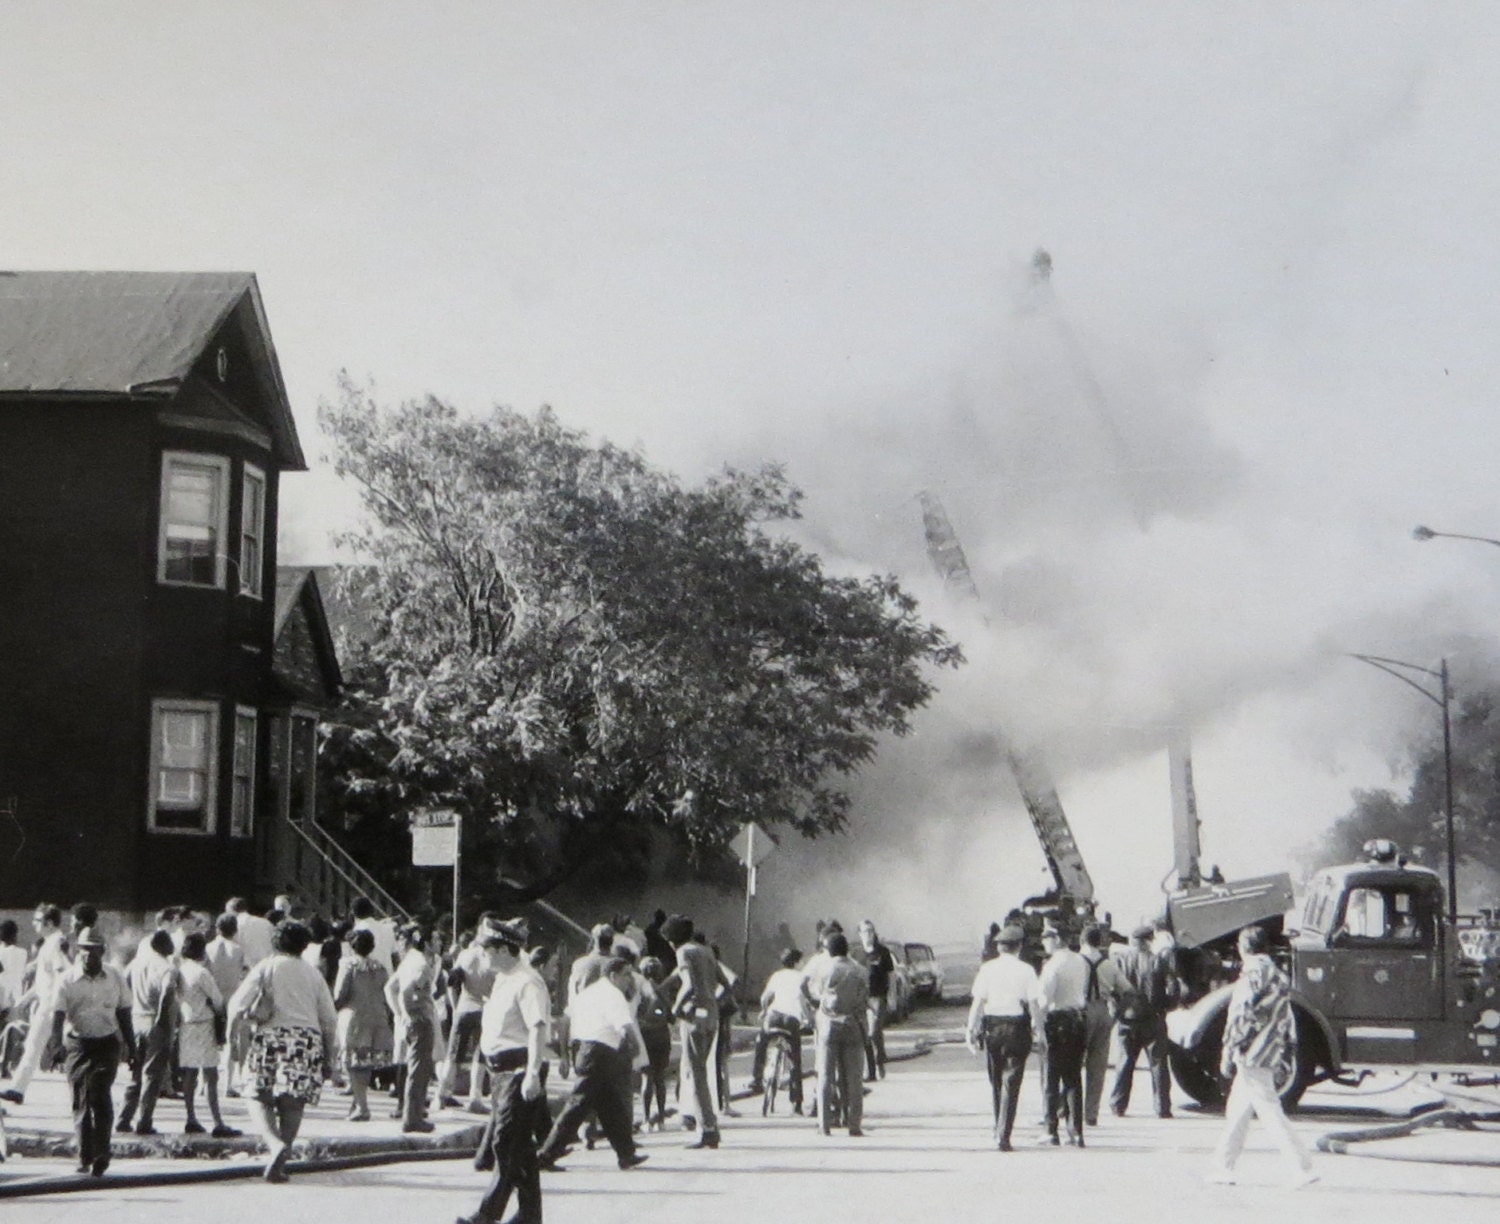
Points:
(778, 1073)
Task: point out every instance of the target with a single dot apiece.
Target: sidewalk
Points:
(40, 1132)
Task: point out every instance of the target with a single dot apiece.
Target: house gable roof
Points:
(133, 335)
(305, 661)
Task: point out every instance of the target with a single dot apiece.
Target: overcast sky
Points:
(1185, 472)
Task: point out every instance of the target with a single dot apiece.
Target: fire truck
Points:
(1383, 975)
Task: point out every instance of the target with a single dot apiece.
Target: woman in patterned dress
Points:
(288, 1003)
(365, 1034)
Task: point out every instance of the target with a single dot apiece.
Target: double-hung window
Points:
(184, 766)
(190, 544)
(252, 531)
(242, 793)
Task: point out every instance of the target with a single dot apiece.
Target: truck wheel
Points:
(1197, 1070)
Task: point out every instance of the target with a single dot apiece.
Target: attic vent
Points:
(221, 364)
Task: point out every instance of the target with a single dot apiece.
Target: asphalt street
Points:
(927, 1157)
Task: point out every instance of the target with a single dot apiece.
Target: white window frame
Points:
(243, 824)
(211, 780)
(252, 536)
(221, 466)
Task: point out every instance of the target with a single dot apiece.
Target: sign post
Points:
(752, 845)
(436, 840)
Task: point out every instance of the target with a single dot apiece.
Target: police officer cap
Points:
(1144, 931)
(1011, 935)
(90, 938)
(512, 931)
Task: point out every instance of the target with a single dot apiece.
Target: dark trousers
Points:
(875, 1041)
(697, 1048)
(602, 1086)
(148, 1075)
(91, 1064)
(511, 1136)
(1066, 1040)
(419, 1070)
(791, 1028)
(1007, 1045)
(1150, 1037)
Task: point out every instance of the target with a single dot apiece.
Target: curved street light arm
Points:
(1389, 667)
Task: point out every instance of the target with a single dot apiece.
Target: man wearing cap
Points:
(1062, 991)
(603, 1023)
(1003, 1021)
(512, 1042)
(1141, 1020)
(92, 1024)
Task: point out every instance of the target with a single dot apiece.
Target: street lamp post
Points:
(1427, 533)
(1441, 699)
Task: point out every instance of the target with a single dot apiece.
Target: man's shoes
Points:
(1094, 1121)
(123, 1127)
(825, 1130)
(1118, 1111)
(14, 1097)
(84, 1168)
(145, 1128)
(1004, 1146)
(755, 1088)
(1049, 1141)
(1305, 1178)
(357, 1115)
(547, 1162)
(1075, 1141)
(478, 1107)
(1168, 1114)
(100, 1166)
(730, 1112)
(228, 1132)
(193, 1127)
(449, 1103)
(708, 1139)
(797, 1109)
(856, 1133)
(633, 1160)
(418, 1128)
(276, 1170)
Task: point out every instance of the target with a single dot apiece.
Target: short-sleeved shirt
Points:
(846, 991)
(150, 976)
(1064, 981)
(699, 969)
(518, 1002)
(784, 993)
(255, 938)
(479, 970)
(226, 961)
(881, 965)
(1005, 986)
(601, 1014)
(90, 1005)
(414, 980)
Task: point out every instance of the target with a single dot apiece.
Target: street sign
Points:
(752, 845)
(434, 839)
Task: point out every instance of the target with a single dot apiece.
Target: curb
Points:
(55, 1144)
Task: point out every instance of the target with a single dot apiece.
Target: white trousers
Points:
(31, 1053)
(1254, 1095)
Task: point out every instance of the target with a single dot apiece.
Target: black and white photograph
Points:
(707, 609)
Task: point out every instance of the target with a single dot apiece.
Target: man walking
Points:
(469, 984)
(1002, 1023)
(1142, 1022)
(91, 1022)
(512, 1042)
(1062, 991)
(1106, 986)
(839, 1024)
(152, 978)
(48, 970)
(1259, 1044)
(603, 1024)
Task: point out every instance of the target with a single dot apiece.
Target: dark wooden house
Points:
(160, 682)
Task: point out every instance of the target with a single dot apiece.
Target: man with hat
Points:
(512, 1042)
(1002, 1022)
(1140, 1017)
(1062, 991)
(92, 1025)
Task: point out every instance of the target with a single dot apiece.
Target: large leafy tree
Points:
(1416, 820)
(573, 649)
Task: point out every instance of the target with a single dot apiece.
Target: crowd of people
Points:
(271, 1007)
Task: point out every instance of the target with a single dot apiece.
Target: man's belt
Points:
(506, 1060)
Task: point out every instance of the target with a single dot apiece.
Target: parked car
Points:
(901, 998)
(926, 971)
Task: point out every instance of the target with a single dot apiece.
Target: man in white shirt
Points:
(51, 965)
(1062, 992)
(512, 1041)
(410, 990)
(1003, 1021)
(254, 932)
(602, 1021)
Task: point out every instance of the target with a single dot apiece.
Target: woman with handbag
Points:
(200, 1029)
(288, 1003)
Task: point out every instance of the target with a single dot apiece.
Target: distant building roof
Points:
(134, 334)
(302, 627)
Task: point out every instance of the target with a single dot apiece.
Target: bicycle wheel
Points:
(773, 1081)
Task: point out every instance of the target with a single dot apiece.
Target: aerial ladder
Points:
(1071, 901)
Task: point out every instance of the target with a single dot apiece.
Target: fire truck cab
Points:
(1380, 977)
